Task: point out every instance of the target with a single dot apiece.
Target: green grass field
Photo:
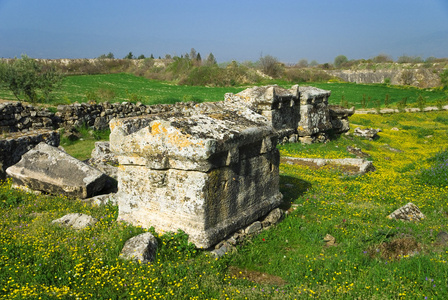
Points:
(128, 87)
(374, 257)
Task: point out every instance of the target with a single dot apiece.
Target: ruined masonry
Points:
(297, 114)
(211, 169)
(208, 171)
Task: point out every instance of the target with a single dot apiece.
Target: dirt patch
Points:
(257, 277)
(397, 249)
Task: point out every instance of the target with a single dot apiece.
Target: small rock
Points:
(141, 248)
(253, 228)
(368, 133)
(330, 240)
(76, 221)
(273, 217)
(395, 129)
(409, 212)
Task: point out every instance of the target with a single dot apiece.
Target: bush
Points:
(444, 78)
(270, 66)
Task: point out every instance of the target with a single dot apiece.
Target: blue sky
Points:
(232, 30)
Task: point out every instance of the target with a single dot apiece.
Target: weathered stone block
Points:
(314, 112)
(208, 172)
(49, 169)
(280, 106)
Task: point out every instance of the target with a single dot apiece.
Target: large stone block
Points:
(49, 169)
(209, 171)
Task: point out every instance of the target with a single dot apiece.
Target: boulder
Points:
(76, 221)
(141, 248)
(49, 169)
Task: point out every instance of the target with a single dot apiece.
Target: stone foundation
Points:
(209, 171)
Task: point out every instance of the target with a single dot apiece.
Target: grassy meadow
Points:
(373, 258)
(128, 87)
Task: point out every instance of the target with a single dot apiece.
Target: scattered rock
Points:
(393, 149)
(395, 129)
(253, 228)
(330, 240)
(76, 221)
(141, 248)
(357, 151)
(49, 169)
(368, 133)
(273, 217)
(409, 212)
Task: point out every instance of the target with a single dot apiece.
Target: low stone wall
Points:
(15, 116)
(18, 117)
(14, 145)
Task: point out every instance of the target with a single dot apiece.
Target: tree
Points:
(25, 76)
(141, 56)
(270, 66)
(193, 54)
(339, 60)
(303, 63)
(129, 56)
(110, 55)
(210, 60)
(314, 63)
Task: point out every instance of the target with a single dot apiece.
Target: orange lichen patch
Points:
(182, 141)
(158, 128)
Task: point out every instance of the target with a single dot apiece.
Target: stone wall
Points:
(18, 117)
(15, 116)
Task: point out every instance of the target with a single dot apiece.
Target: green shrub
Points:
(421, 102)
(25, 77)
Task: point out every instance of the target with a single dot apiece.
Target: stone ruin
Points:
(297, 114)
(213, 168)
(209, 171)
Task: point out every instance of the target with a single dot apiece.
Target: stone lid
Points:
(206, 136)
(311, 93)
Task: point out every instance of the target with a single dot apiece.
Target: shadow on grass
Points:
(292, 188)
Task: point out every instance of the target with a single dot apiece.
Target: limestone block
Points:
(49, 169)
(209, 171)
(280, 106)
(16, 144)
